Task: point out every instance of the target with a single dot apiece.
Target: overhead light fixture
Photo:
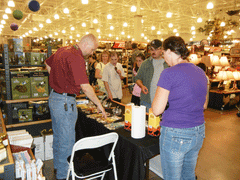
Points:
(66, 10)
(132, 39)
(84, 1)
(98, 30)
(26, 34)
(3, 22)
(95, 21)
(175, 30)
(20, 37)
(111, 27)
(153, 27)
(56, 33)
(225, 37)
(83, 24)
(99, 37)
(210, 5)
(8, 11)
(72, 28)
(45, 37)
(63, 31)
(208, 38)
(109, 16)
(35, 29)
(5, 16)
(87, 32)
(48, 21)
(192, 28)
(170, 25)
(56, 16)
(50, 35)
(177, 34)
(128, 36)
(11, 4)
(142, 35)
(116, 38)
(122, 33)
(191, 39)
(159, 32)
(169, 14)
(133, 9)
(145, 37)
(125, 24)
(199, 20)
(142, 20)
(1, 26)
(222, 24)
(30, 31)
(23, 35)
(193, 33)
(70, 37)
(110, 35)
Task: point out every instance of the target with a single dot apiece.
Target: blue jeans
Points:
(148, 105)
(63, 125)
(179, 150)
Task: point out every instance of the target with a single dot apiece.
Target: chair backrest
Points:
(95, 142)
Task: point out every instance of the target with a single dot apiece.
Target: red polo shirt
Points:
(68, 70)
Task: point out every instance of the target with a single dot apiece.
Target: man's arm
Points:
(143, 88)
(48, 67)
(88, 90)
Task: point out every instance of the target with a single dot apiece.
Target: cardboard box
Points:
(43, 57)
(153, 124)
(39, 147)
(16, 107)
(25, 115)
(15, 45)
(19, 57)
(32, 58)
(12, 58)
(128, 117)
(48, 152)
(39, 83)
(21, 85)
(40, 110)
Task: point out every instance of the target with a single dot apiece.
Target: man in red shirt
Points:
(67, 76)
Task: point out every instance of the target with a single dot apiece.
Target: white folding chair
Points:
(100, 169)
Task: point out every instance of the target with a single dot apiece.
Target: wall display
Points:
(33, 58)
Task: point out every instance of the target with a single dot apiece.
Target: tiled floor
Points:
(219, 158)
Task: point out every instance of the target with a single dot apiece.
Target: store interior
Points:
(29, 33)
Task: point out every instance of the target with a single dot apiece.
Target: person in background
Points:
(136, 89)
(112, 76)
(147, 53)
(135, 52)
(204, 68)
(105, 56)
(67, 77)
(149, 73)
(92, 63)
(184, 86)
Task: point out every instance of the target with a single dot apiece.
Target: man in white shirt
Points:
(112, 76)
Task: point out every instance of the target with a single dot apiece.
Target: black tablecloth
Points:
(130, 154)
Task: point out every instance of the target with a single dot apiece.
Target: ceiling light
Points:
(40, 25)
(192, 28)
(1, 26)
(45, 37)
(128, 36)
(56, 33)
(66, 11)
(48, 21)
(193, 32)
(133, 9)
(35, 29)
(145, 37)
(8, 11)
(210, 5)
(50, 35)
(41, 38)
(56, 16)
(175, 30)
(0, 29)
(30, 31)
(63, 31)
(132, 39)
(111, 27)
(170, 25)
(83, 24)
(148, 40)
(78, 35)
(5, 16)
(87, 32)
(84, 1)
(177, 34)
(210, 35)
(191, 39)
(20, 37)
(125, 24)
(70, 37)
(225, 36)
(99, 37)
(3, 22)
(161, 39)
(109, 16)
(158, 32)
(142, 20)
(222, 24)
(142, 35)
(98, 30)
(72, 28)
(71, 41)
(23, 35)
(26, 34)
(110, 35)
(11, 4)
(95, 21)
(199, 20)
(153, 27)
(229, 32)
(169, 14)
(116, 38)
(122, 33)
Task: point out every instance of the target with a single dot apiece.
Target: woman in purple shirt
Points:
(184, 86)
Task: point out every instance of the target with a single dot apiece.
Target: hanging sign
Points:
(118, 45)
